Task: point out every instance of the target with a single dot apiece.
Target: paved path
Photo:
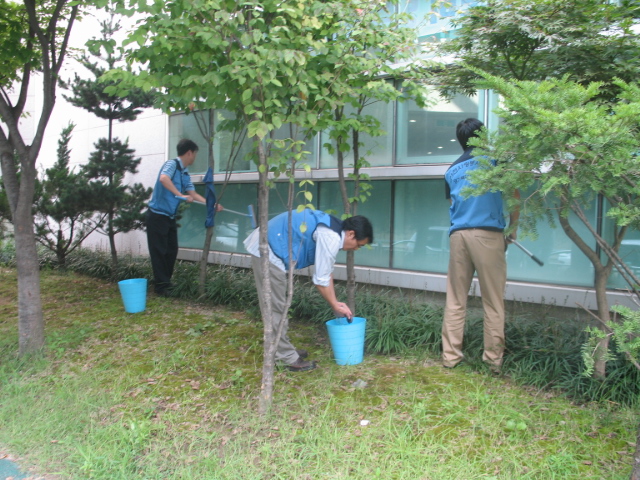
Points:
(9, 470)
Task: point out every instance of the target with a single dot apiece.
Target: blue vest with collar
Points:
(303, 245)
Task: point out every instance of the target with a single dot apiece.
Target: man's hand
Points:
(342, 310)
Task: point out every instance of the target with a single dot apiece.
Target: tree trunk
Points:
(600, 356)
(112, 246)
(353, 209)
(204, 261)
(30, 318)
(208, 133)
(270, 344)
(600, 286)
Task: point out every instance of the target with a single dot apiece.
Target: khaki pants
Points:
(285, 352)
(481, 251)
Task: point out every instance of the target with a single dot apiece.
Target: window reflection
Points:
(429, 135)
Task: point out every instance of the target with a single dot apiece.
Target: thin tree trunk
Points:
(353, 209)
(268, 365)
(112, 246)
(600, 286)
(204, 260)
(600, 356)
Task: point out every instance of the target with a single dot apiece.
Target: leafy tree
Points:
(63, 214)
(626, 334)
(271, 63)
(566, 149)
(581, 42)
(89, 93)
(380, 49)
(35, 37)
(587, 40)
(122, 204)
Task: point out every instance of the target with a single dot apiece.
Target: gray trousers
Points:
(481, 251)
(285, 352)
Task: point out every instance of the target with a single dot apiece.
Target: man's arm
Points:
(340, 309)
(328, 244)
(166, 182)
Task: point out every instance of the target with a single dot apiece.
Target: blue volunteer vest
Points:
(303, 245)
(162, 200)
(483, 211)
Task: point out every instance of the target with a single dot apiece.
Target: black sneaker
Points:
(302, 353)
(301, 365)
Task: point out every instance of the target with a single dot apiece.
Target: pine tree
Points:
(63, 214)
(113, 159)
(121, 204)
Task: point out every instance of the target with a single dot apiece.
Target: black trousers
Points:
(162, 239)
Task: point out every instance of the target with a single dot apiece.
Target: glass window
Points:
(375, 150)
(429, 135)
(230, 228)
(629, 252)
(564, 263)
(433, 23)
(233, 150)
(194, 126)
(279, 196)
(420, 226)
(377, 209)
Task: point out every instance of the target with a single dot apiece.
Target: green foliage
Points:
(90, 94)
(63, 213)
(625, 332)
(122, 204)
(587, 40)
(12, 39)
(563, 147)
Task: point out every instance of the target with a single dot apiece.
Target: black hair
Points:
(185, 145)
(361, 227)
(467, 129)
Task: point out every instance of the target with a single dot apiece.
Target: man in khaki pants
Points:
(477, 244)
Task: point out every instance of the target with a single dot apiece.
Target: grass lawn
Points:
(171, 393)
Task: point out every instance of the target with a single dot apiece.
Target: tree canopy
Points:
(587, 40)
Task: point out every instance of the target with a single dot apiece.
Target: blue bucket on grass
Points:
(347, 340)
(134, 294)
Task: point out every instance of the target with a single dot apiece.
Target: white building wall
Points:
(147, 135)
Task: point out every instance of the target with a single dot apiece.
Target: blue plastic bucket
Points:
(347, 339)
(134, 294)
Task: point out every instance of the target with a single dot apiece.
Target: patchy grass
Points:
(171, 393)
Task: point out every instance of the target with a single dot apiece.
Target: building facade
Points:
(407, 207)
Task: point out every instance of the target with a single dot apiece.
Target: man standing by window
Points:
(477, 244)
(172, 186)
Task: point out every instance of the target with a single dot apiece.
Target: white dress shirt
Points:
(328, 244)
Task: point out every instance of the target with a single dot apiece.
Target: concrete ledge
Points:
(536, 293)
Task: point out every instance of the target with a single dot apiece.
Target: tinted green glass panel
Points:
(421, 226)
(186, 126)
(230, 228)
(279, 195)
(629, 252)
(564, 263)
(377, 209)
